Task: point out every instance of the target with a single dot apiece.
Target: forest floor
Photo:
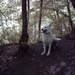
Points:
(61, 61)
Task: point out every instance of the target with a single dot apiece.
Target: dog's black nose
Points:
(42, 29)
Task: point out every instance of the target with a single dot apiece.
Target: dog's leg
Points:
(44, 49)
(49, 49)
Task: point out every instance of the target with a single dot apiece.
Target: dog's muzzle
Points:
(44, 31)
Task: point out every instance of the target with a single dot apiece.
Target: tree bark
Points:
(40, 16)
(23, 47)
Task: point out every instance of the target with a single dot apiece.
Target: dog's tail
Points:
(57, 39)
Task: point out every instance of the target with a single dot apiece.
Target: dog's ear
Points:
(50, 24)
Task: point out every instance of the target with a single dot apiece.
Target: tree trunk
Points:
(60, 25)
(28, 8)
(23, 47)
(69, 12)
(40, 16)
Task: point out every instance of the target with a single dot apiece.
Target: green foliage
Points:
(54, 11)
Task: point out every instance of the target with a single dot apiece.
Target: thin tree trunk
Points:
(60, 25)
(69, 12)
(28, 2)
(40, 16)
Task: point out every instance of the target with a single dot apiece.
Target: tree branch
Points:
(57, 11)
(4, 16)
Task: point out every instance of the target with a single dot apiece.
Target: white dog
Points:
(47, 38)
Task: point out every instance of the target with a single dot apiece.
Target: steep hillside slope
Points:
(60, 62)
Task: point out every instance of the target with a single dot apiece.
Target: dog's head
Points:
(45, 28)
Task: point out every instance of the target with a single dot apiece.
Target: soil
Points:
(61, 61)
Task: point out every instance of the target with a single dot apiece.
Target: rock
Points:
(62, 64)
(52, 69)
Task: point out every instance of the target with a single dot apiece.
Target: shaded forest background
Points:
(58, 12)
